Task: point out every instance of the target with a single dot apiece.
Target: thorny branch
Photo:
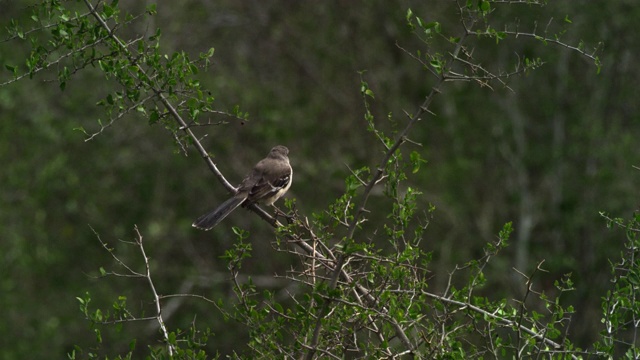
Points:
(136, 274)
(156, 298)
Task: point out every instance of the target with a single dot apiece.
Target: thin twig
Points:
(156, 297)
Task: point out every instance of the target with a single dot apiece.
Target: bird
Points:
(270, 178)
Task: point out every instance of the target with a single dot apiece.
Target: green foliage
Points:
(73, 41)
(364, 278)
(620, 312)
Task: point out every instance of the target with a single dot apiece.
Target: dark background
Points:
(549, 156)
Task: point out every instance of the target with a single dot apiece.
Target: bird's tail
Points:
(212, 218)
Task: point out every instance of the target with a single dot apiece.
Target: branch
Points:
(156, 298)
(163, 99)
(113, 119)
(577, 49)
(504, 321)
(146, 275)
(361, 210)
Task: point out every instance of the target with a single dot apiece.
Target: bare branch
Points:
(156, 298)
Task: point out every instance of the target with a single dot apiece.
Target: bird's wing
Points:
(267, 180)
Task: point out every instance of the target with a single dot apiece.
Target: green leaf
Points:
(434, 25)
(416, 161)
(240, 233)
(506, 231)
(409, 19)
(11, 68)
(151, 9)
(154, 117)
(436, 65)
(155, 37)
(103, 66)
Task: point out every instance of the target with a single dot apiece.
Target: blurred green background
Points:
(548, 156)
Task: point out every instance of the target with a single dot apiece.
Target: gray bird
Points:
(269, 180)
